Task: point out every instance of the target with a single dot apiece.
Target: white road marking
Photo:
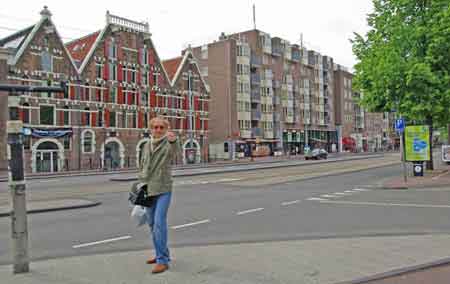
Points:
(328, 196)
(102, 242)
(228, 179)
(341, 193)
(387, 204)
(349, 191)
(290, 202)
(47, 180)
(361, 189)
(316, 199)
(191, 224)
(249, 211)
(204, 182)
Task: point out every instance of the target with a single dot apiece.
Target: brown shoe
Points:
(160, 268)
(151, 261)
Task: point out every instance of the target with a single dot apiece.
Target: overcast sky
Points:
(326, 25)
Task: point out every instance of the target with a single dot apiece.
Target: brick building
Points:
(268, 93)
(358, 130)
(116, 84)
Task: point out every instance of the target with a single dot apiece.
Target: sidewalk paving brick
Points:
(324, 261)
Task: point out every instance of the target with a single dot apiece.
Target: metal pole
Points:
(402, 151)
(19, 226)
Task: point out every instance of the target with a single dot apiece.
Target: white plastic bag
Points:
(138, 215)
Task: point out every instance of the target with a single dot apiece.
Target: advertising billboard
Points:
(417, 143)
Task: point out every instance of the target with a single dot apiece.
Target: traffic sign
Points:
(400, 125)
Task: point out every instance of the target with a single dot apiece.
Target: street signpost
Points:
(400, 128)
(17, 185)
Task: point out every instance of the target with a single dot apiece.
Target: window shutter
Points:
(140, 119)
(153, 98)
(106, 95)
(61, 117)
(106, 72)
(196, 103)
(197, 123)
(94, 119)
(119, 95)
(72, 92)
(151, 57)
(107, 118)
(119, 72)
(83, 118)
(138, 75)
(129, 97)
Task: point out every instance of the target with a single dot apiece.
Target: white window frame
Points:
(54, 114)
(101, 66)
(92, 142)
(70, 115)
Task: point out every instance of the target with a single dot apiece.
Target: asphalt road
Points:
(241, 207)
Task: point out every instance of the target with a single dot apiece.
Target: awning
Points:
(47, 132)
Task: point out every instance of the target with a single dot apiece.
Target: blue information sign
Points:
(400, 125)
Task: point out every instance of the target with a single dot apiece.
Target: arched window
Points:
(88, 140)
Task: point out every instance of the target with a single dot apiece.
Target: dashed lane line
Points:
(101, 242)
(191, 224)
(249, 211)
(286, 203)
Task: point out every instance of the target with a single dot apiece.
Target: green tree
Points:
(403, 60)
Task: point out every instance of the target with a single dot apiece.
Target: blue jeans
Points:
(157, 220)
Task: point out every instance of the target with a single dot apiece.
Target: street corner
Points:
(431, 179)
(34, 207)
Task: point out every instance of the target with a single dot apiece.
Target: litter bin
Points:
(418, 169)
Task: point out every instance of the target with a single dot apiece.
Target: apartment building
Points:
(358, 130)
(116, 84)
(267, 92)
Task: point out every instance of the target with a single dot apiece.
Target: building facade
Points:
(116, 84)
(359, 130)
(268, 95)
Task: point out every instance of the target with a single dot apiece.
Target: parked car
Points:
(316, 154)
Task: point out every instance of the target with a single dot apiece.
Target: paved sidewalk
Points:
(431, 179)
(325, 261)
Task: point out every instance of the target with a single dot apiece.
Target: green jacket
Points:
(155, 168)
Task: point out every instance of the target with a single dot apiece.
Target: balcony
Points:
(276, 116)
(255, 79)
(277, 50)
(256, 95)
(256, 114)
(257, 132)
(268, 134)
(295, 55)
(255, 60)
